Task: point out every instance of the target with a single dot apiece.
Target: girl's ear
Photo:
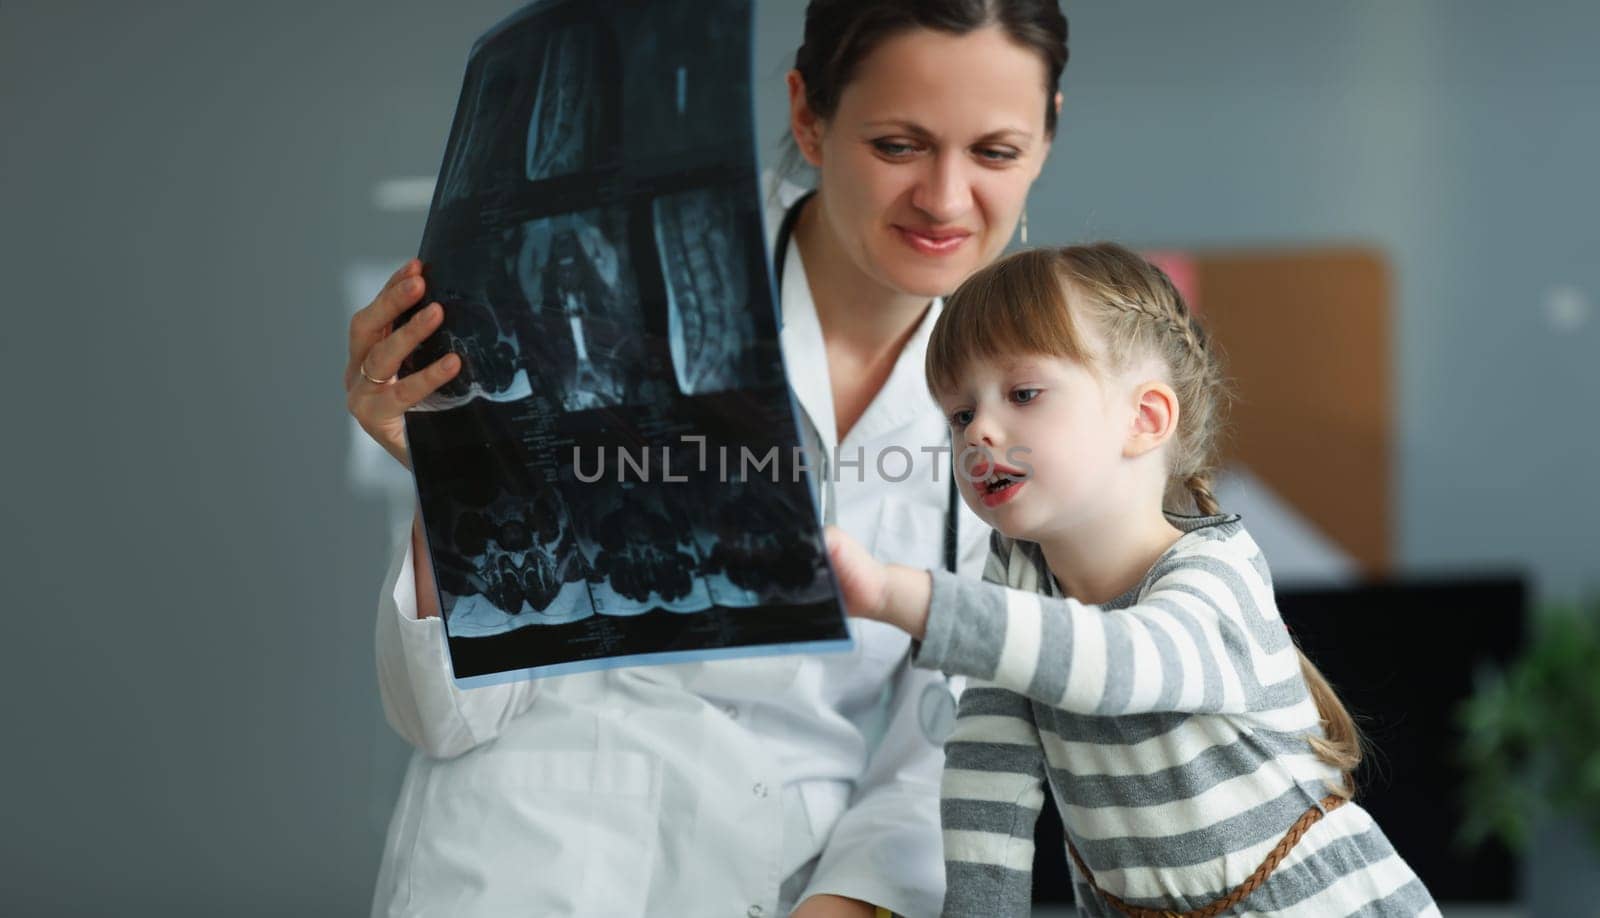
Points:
(803, 122)
(1155, 419)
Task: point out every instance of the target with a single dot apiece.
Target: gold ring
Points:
(376, 382)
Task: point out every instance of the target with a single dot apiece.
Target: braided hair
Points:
(1031, 303)
(1020, 304)
(1140, 312)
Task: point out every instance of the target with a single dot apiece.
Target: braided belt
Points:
(1250, 885)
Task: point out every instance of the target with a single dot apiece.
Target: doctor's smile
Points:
(936, 242)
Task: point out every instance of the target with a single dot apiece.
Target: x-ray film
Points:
(614, 477)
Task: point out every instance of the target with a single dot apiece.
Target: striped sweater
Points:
(1170, 725)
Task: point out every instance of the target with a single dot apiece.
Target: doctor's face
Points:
(926, 163)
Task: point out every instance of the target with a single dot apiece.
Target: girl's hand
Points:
(863, 579)
(891, 593)
(379, 347)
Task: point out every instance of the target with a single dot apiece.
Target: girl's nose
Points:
(981, 447)
(981, 431)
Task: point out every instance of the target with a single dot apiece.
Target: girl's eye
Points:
(961, 418)
(1023, 396)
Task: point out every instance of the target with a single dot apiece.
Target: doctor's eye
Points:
(894, 149)
(999, 155)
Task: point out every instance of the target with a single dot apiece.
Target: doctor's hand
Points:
(375, 395)
(825, 906)
(891, 593)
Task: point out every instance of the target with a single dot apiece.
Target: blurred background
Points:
(1383, 207)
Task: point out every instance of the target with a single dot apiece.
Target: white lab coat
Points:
(692, 789)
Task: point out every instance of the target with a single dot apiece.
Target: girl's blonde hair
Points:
(1031, 303)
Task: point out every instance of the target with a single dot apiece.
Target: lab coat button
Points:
(732, 711)
(755, 911)
(760, 790)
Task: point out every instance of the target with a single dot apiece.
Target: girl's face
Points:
(926, 163)
(1056, 434)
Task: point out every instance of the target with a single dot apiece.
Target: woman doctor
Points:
(748, 787)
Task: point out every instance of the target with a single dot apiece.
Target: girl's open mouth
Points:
(1000, 489)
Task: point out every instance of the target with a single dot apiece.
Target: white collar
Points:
(904, 396)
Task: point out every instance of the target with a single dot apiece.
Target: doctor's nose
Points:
(944, 193)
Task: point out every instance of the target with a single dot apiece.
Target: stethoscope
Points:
(936, 709)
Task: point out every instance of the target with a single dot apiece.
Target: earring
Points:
(1024, 224)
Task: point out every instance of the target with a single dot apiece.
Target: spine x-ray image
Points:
(583, 306)
(596, 240)
(708, 293)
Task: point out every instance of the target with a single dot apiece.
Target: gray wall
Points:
(1459, 137)
(191, 720)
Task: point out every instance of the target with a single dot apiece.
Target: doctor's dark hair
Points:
(1049, 301)
(840, 34)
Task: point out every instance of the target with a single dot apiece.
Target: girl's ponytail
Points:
(1341, 743)
(1020, 304)
(1199, 487)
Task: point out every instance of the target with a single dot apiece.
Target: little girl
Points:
(1132, 658)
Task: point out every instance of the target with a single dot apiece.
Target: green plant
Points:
(1532, 744)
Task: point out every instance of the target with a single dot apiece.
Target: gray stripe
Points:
(1405, 902)
(1166, 566)
(994, 757)
(1237, 649)
(970, 622)
(1289, 691)
(1267, 630)
(1179, 782)
(1011, 819)
(1034, 552)
(1258, 563)
(1172, 672)
(980, 700)
(1259, 823)
(1119, 674)
(1126, 730)
(970, 618)
(1210, 671)
(986, 891)
(1268, 635)
(1050, 675)
(1290, 886)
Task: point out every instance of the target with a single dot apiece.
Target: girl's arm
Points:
(1205, 638)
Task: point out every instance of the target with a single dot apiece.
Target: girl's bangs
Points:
(1016, 306)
